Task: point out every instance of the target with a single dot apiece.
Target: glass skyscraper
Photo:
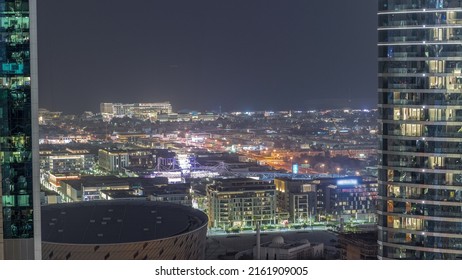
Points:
(420, 153)
(19, 130)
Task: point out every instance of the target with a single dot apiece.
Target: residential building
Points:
(241, 203)
(347, 198)
(113, 160)
(420, 114)
(64, 162)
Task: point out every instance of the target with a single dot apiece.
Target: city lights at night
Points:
(194, 134)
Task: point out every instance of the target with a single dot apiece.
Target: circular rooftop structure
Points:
(117, 221)
(138, 226)
(277, 241)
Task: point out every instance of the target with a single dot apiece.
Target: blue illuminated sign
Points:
(295, 168)
(349, 182)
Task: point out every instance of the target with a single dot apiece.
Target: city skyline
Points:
(239, 55)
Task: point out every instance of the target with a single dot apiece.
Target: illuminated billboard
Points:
(347, 182)
(295, 168)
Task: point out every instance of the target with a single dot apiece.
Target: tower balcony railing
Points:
(438, 102)
(422, 212)
(420, 23)
(425, 118)
(426, 197)
(414, 149)
(417, 55)
(422, 181)
(456, 166)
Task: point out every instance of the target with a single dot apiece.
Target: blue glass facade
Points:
(420, 153)
(16, 121)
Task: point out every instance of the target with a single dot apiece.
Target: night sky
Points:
(202, 54)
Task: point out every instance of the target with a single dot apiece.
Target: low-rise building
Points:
(90, 187)
(113, 160)
(49, 197)
(358, 246)
(279, 249)
(173, 193)
(67, 161)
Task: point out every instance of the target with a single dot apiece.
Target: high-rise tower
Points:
(420, 153)
(19, 130)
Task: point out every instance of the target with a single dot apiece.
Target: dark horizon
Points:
(240, 55)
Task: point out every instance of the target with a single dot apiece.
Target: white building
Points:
(138, 110)
(278, 249)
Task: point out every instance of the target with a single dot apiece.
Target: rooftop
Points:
(117, 221)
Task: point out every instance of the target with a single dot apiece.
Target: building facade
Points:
(19, 130)
(420, 104)
(137, 110)
(67, 162)
(296, 198)
(358, 246)
(241, 203)
(113, 161)
(351, 198)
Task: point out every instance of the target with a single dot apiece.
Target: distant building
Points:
(117, 160)
(120, 194)
(278, 249)
(241, 202)
(113, 161)
(89, 187)
(176, 117)
(137, 110)
(347, 197)
(67, 161)
(123, 230)
(49, 197)
(54, 179)
(173, 193)
(45, 116)
(297, 198)
(358, 246)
